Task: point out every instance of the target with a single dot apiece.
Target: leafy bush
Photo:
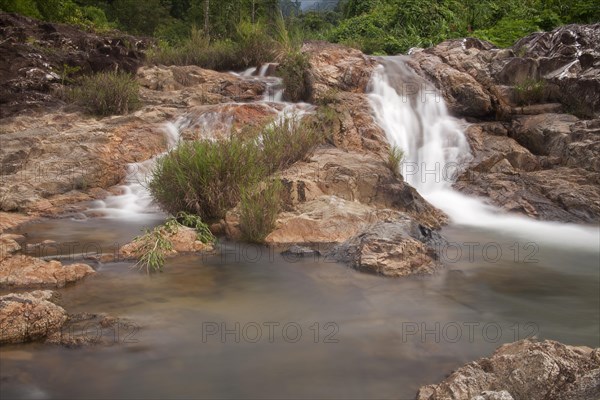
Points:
(507, 31)
(258, 210)
(255, 46)
(153, 247)
(107, 93)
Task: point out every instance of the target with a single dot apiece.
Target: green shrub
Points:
(204, 177)
(259, 207)
(507, 31)
(107, 93)
(207, 177)
(252, 46)
(153, 247)
(288, 141)
(255, 46)
(294, 70)
(530, 91)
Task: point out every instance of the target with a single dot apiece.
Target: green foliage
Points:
(288, 141)
(252, 47)
(153, 247)
(193, 221)
(24, 7)
(204, 177)
(244, 27)
(207, 177)
(395, 157)
(138, 17)
(107, 93)
(294, 70)
(155, 244)
(65, 11)
(66, 71)
(259, 207)
(507, 31)
(529, 92)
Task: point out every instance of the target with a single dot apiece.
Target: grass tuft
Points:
(395, 157)
(107, 93)
(259, 208)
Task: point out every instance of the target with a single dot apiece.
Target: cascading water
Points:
(135, 202)
(414, 117)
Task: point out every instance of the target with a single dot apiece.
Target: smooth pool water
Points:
(250, 323)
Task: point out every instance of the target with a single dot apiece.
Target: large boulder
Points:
(395, 247)
(335, 67)
(29, 316)
(524, 370)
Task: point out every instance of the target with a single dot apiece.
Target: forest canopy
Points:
(374, 26)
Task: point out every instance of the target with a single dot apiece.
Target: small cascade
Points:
(134, 201)
(415, 118)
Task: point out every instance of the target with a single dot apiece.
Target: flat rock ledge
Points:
(524, 370)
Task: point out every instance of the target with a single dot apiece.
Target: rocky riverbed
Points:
(533, 130)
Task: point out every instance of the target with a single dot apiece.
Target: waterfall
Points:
(415, 118)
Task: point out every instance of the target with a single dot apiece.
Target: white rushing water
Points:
(415, 118)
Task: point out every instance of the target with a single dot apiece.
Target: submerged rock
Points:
(524, 370)
(29, 316)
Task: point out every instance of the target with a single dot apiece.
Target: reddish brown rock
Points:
(526, 369)
(29, 316)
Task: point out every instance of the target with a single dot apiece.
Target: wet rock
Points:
(396, 248)
(545, 166)
(337, 67)
(324, 220)
(355, 177)
(87, 329)
(26, 271)
(180, 86)
(489, 395)
(8, 246)
(300, 251)
(183, 240)
(11, 220)
(525, 369)
(41, 174)
(29, 316)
